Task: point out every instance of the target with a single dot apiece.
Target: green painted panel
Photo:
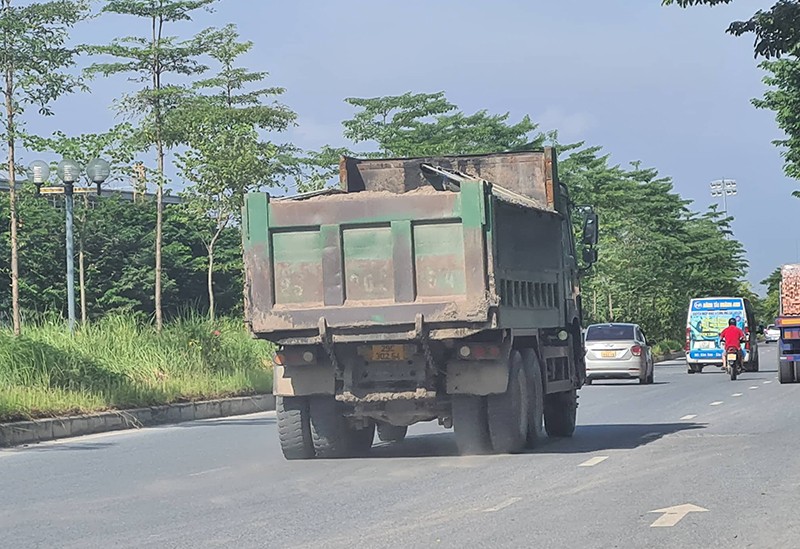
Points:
(439, 260)
(297, 265)
(368, 270)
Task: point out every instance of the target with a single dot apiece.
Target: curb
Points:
(40, 430)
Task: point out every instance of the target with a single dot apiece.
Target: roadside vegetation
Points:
(119, 363)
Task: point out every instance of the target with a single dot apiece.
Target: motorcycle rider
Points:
(732, 337)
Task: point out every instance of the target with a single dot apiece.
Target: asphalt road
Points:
(729, 448)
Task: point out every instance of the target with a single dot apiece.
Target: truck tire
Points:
(294, 430)
(391, 433)
(786, 372)
(560, 412)
(470, 425)
(330, 433)
(536, 431)
(507, 413)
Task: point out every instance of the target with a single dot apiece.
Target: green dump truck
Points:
(423, 289)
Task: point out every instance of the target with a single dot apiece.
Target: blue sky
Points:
(661, 85)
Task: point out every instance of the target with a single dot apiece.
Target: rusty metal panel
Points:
(529, 173)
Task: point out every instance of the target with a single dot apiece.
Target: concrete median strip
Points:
(40, 430)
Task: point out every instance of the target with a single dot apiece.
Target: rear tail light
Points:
(636, 350)
(688, 338)
(295, 357)
(747, 338)
(479, 351)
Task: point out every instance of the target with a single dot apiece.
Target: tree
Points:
(150, 60)
(655, 254)
(783, 99)
(36, 63)
(428, 124)
(227, 154)
(777, 30)
(770, 305)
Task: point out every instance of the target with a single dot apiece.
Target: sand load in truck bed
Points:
(790, 290)
(523, 178)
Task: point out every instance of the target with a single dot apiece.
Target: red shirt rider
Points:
(732, 335)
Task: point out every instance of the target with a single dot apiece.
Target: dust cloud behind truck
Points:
(423, 289)
(789, 324)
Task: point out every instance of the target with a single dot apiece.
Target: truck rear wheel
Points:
(786, 372)
(507, 413)
(330, 433)
(470, 425)
(560, 412)
(294, 430)
(535, 397)
(391, 433)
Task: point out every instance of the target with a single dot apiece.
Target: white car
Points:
(617, 351)
(772, 333)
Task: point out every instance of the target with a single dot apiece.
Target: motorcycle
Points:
(733, 363)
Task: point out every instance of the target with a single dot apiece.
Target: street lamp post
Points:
(723, 188)
(69, 172)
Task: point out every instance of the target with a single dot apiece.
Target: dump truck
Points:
(788, 322)
(442, 288)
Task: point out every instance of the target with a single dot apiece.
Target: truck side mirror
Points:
(590, 228)
(590, 256)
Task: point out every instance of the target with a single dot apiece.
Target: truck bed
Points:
(380, 261)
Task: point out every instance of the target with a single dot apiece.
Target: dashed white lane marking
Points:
(507, 503)
(593, 461)
(716, 403)
(767, 382)
(690, 416)
(208, 471)
(736, 394)
(754, 387)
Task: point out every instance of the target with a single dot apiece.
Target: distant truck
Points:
(789, 324)
(424, 289)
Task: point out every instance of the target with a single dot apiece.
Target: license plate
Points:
(608, 354)
(732, 357)
(387, 353)
(704, 345)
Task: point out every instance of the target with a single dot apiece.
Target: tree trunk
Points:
(12, 199)
(610, 308)
(211, 282)
(158, 24)
(159, 231)
(210, 248)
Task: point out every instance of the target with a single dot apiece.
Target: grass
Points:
(118, 363)
(667, 346)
